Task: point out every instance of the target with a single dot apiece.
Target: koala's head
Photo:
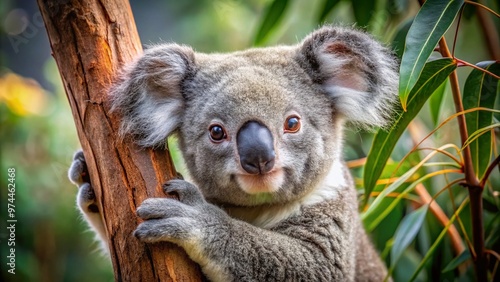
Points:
(262, 125)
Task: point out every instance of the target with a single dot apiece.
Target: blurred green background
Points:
(38, 138)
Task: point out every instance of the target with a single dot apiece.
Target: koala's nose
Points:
(256, 148)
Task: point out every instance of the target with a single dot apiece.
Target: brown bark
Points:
(90, 40)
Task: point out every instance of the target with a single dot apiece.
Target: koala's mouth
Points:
(261, 183)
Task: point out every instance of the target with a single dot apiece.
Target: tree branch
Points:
(489, 170)
(471, 181)
(90, 40)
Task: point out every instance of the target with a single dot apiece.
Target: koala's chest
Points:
(265, 216)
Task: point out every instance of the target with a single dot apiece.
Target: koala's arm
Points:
(316, 245)
(85, 199)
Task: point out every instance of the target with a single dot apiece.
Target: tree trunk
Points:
(90, 40)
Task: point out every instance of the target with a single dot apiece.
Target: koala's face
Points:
(256, 128)
(262, 125)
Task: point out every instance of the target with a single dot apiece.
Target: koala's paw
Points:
(78, 173)
(86, 199)
(179, 221)
(186, 192)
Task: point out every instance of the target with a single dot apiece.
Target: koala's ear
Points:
(148, 93)
(357, 73)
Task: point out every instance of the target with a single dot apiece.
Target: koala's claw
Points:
(186, 192)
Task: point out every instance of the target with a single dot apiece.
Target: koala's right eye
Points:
(217, 133)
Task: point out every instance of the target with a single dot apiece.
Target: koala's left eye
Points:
(217, 133)
(292, 124)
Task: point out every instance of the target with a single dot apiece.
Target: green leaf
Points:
(398, 43)
(433, 75)
(274, 14)
(396, 7)
(480, 90)
(377, 212)
(407, 264)
(465, 255)
(406, 232)
(438, 240)
(436, 100)
(328, 6)
(493, 231)
(430, 24)
(363, 11)
(480, 132)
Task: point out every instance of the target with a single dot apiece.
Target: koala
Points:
(270, 197)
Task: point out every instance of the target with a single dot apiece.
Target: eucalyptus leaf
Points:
(398, 43)
(436, 100)
(397, 6)
(493, 229)
(328, 6)
(480, 90)
(373, 210)
(464, 256)
(406, 232)
(433, 75)
(430, 24)
(480, 132)
(407, 265)
(363, 11)
(273, 16)
(436, 243)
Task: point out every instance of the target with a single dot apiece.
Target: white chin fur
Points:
(267, 183)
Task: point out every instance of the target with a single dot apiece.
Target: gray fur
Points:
(334, 56)
(297, 223)
(153, 84)
(85, 199)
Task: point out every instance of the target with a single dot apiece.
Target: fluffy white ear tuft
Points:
(358, 73)
(148, 93)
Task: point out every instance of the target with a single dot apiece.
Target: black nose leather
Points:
(256, 148)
